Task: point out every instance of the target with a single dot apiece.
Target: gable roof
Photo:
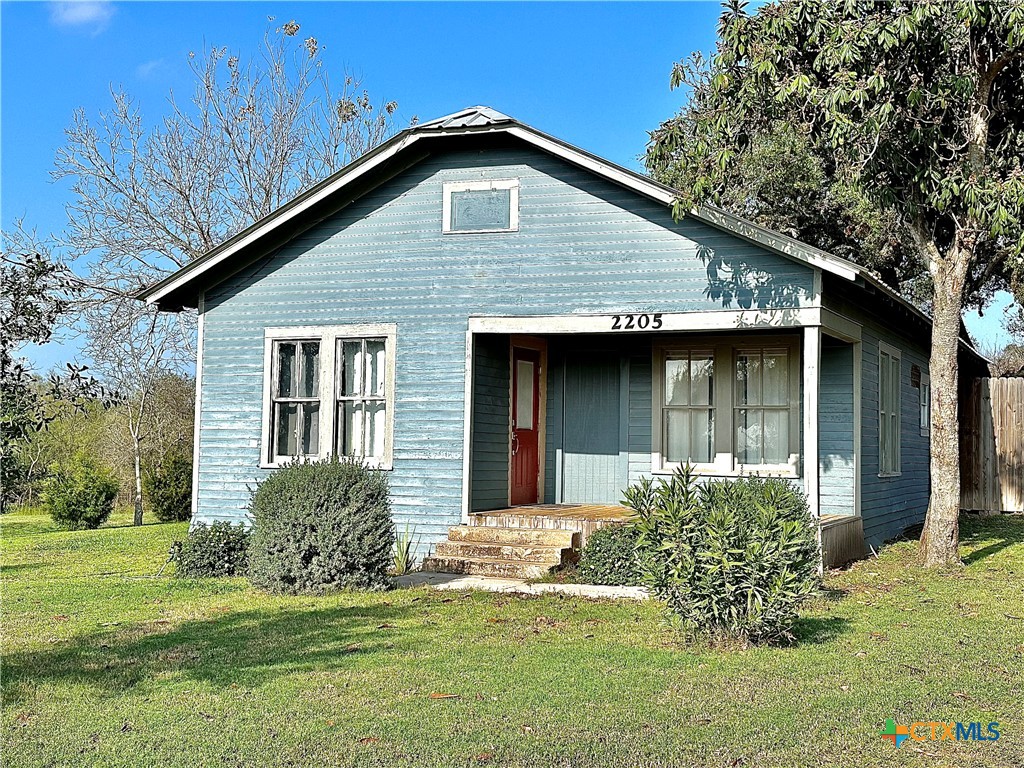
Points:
(180, 289)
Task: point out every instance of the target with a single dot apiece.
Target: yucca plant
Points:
(405, 546)
(733, 560)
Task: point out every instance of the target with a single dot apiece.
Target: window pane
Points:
(677, 382)
(677, 435)
(524, 394)
(375, 367)
(776, 437)
(748, 436)
(308, 387)
(310, 429)
(350, 429)
(351, 368)
(375, 413)
(287, 429)
(701, 380)
(748, 379)
(702, 427)
(776, 378)
(883, 387)
(286, 369)
(481, 209)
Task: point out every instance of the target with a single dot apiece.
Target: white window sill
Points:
(887, 475)
(381, 465)
(478, 231)
(712, 471)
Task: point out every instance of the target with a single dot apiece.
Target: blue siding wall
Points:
(584, 245)
(489, 465)
(835, 424)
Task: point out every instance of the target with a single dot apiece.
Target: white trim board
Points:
(717, 320)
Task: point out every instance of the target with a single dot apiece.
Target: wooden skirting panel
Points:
(842, 539)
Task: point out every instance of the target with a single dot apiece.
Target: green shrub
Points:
(320, 526)
(79, 494)
(168, 487)
(218, 549)
(733, 560)
(610, 557)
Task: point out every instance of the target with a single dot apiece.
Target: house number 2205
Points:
(633, 322)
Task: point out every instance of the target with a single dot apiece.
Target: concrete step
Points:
(514, 536)
(526, 553)
(486, 566)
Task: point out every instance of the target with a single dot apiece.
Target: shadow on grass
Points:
(817, 630)
(996, 533)
(246, 648)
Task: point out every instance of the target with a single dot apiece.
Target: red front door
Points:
(525, 426)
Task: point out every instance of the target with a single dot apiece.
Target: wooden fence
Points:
(992, 446)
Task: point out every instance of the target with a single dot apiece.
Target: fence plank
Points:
(992, 446)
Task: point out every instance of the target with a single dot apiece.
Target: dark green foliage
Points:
(168, 487)
(79, 494)
(220, 549)
(732, 559)
(320, 526)
(610, 557)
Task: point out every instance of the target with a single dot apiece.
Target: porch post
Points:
(812, 367)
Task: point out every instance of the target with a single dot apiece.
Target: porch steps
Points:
(515, 553)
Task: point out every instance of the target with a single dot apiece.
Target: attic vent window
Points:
(481, 206)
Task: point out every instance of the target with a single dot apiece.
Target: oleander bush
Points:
(732, 559)
(80, 493)
(610, 557)
(214, 550)
(321, 526)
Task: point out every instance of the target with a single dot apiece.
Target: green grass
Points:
(106, 664)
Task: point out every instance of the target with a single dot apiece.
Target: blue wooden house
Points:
(515, 330)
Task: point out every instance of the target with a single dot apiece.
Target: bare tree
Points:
(148, 200)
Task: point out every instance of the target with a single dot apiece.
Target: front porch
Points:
(528, 541)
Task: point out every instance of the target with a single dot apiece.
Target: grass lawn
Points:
(106, 664)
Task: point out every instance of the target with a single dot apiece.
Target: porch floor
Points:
(603, 513)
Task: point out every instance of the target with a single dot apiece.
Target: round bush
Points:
(79, 494)
(168, 487)
(733, 560)
(219, 549)
(610, 557)
(320, 526)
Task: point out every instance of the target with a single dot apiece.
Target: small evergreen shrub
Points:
(321, 526)
(733, 560)
(80, 494)
(168, 487)
(219, 549)
(610, 557)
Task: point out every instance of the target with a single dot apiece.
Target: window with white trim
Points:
(925, 404)
(329, 391)
(889, 388)
(727, 406)
(480, 206)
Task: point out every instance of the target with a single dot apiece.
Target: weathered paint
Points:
(490, 441)
(584, 245)
(835, 429)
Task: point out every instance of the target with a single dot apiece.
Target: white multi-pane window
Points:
(925, 405)
(889, 381)
(688, 413)
(761, 406)
(329, 390)
(727, 407)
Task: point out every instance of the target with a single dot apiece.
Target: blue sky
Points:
(595, 75)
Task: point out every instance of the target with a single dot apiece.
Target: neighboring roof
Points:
(170, 292)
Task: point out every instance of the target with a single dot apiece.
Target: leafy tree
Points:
(916, 109)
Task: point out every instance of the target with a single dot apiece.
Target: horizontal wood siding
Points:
(584, 245)
(489, 473)
(889, 505)
(835, 424)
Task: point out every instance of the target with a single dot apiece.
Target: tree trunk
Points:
(940, 538)
(138, 482)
